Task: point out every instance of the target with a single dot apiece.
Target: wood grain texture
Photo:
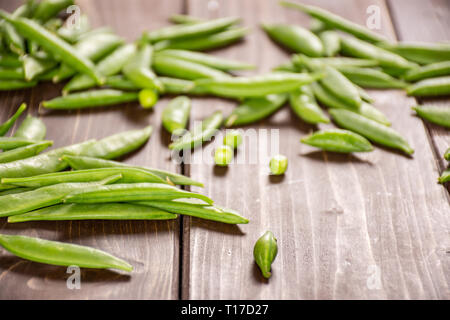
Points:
(151, 247)
(342, 222)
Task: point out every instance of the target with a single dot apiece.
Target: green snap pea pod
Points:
(44, 163)
(295, 38)
(6, 85)
(337, 62)
(433, 114)
(254, 109)
(447, 155)
(167, 65)
(180, 86)
(12, 38)
(203, 43)
(71, 33)
(47, 9)
(91, 99)
(429, 71)
(265, 252)
(119, 144)
(176, 114)
(331, 42)
(396, 72)
(184, 31)
(337, 22)
(370, 129)
(93, 48)
(191, 208)
(24, 202)
(11, 73)
(8, 143)
(207, 60)
(256, 86)
(34, 67)
(223, 156)
(53, 44)
(129, 175)
(305, 106)
(102, 211)
(61, 254)
(24, 152)
(200, 133)
(131, 192)
(371, 78)
(421, 52)
(337, 140)
(9, 60)
(360, 49)
(445, 177)
(81, 163)
(4, 128)
(278, 164)
(120, 82)
(31, 128)
(326, 98)
(108, 66)
(12, 190)
(184, 18)
(430, 87)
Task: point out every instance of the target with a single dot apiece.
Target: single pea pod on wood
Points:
(256, 86)
(371, 78)
(265, 252)
(192, 208)
(421, 52)
(447, 155)
(24, 152)
(97, 211)
(4, 128)
(433, 70)
(255, 109)
(131, 192)
(43, 197)
(176, 114)
(434, 114)
(304, 105)
(337, 140)
(295, 38)
(370, 129)
(200, 133)
(81, 163)
(61, 254)
(331, 42)
(91, 99)
(430, 87)
(445, 177)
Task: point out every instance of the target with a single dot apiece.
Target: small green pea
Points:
(148, 98)
(278, 164)
(223, 156)
(233, 139)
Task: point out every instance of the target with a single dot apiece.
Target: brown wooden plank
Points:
(342, 222)
(151, 247)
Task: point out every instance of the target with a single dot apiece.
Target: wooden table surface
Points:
(371, 226)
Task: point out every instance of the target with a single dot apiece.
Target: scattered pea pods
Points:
(265, 252)
(24, 152)
(176, 114)
(337, 140)
(371, 78)
(305, 106)
(61, 254)
(434, 114)
(31, 128)
(430, 87)
(370, 129)
(429, 71)
(4, 128)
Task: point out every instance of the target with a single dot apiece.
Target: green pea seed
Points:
(223, 156)
(434, 114)
(337, 140)
(278, 164)
(148, 98)
(265, 252)
(233, 139)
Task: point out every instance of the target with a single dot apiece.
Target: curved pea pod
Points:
(173, 67)
(6, 85)
(71, 34)
(44, 163)
(33, 67)
(265, 252)
(131, 192)
(176, 114)
(202, 43)
(24, 152)
(129, 175)
(447, 155)
(436, 115)
(119, 144)
(31, 128)
(61, 254)
(256, 86)
(335, 21)
(200, 133)
(180, 86)
(430, 87)
(101, 211)
(207, 60)
(11, 73)
(305, 106)
(371, 78)
(184, 31)
(429, 71)
(295, 38)
(8, 143)
(194, 209)
(326, 98)
(14, 204)
(47, 9)
(421, 52)
(337, 140)
(81, 163)
(4, 128)
(53, 44)
(445, 177)
(91, 99)
(254, 109)
(370, 129)
(331, 42)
